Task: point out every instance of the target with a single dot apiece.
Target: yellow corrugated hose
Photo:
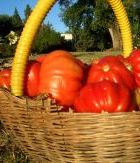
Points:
(24, 45)
(124, 25)
(31, 27)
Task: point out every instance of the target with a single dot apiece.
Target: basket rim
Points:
(31, 103)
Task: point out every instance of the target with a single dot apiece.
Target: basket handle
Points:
(124, 25)
(31, 27)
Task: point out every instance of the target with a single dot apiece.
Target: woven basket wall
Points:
(46, 134)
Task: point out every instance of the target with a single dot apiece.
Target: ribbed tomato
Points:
(104, 96)
(61, 77)
(111, 69)
(135, 62)
(31, 81)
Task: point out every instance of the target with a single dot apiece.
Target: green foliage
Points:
(79, 16)
(5, 25)
(8, 24)
(7, 50)
(27, 12)
(97, 15)
(103, 15)
(83, 44)
(133, 10)
(17, 24)
(46, 39)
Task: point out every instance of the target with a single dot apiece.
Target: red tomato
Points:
(55, 54)
(135, 62)
(117, 58)
(5, 76)
(5, 82)
(104, 96)
(58, 53)
(61, 77)
(6, 72)
(31, 83)
(125, 61)
(112, 58)
(41, 58)
(113, 70)
(134, 57)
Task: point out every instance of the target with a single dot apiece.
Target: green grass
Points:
(88, 57)
(9, 153)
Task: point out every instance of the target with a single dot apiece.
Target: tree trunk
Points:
(116, 38)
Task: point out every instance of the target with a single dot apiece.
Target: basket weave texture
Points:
(48, 135)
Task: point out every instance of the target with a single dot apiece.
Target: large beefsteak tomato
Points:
(111, 69)
(114, 59)
(61, 77)
(104, 96)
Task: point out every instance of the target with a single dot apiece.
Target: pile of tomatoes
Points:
(109, 84)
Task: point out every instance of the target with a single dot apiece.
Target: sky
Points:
(8, 7)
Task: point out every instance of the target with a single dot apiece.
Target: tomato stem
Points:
(106, 68)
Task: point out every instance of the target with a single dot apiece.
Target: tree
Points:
(133, 10)
(27, 12)
(8, 26)
(79, 16)
(109, 20)
(17, 22)
(99, 16)
(5, 25)
(47, 39)
(104, 17)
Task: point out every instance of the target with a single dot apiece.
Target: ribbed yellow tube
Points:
(124, 25)
(24, 45)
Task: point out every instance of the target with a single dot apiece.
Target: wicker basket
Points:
(46, 134)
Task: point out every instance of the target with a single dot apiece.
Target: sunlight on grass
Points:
(88, 57)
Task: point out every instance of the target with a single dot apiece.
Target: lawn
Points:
(9, 153)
